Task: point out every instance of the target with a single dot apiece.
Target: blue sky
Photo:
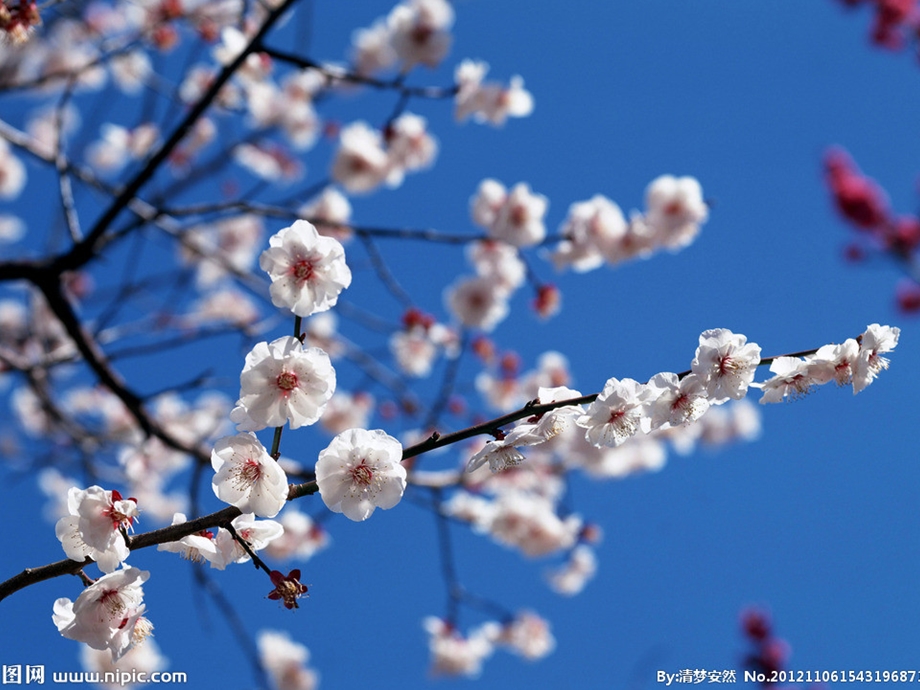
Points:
(816, 521)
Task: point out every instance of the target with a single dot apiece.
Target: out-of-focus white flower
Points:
(302, 537)
(876, 340)
(420, 32)
(528, 635)
(225, 247)
(591, 230)
(283, 382)
(725, 363)
(572, 577)
(515, 216)
(361, 163)
(530, 523)
(488, 102)
(452, 654)
(12, 172)
(247, 477)
(224, 304)
(268, 161)
(478, 302)
(619, 412)
(308, 270)
(94, 526)
(347, 411)
(286, 661)
(499, 261)
(372, 49)
(130, 70)
(409, 146)
(675, 210)
(330, 212)
(359, 471)
(108, 614)
(139, 660)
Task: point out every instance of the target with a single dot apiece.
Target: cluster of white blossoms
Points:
(108, 615)
(367, 158)
(415, 32)
(512, 220)
(454, 654)
(623, 431)
(490, 102)
(596, 231)
(284, 382)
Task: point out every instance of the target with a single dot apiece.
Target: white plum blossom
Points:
(834, 362)
(359, 471)
(308, 270)
(876, 340)
(572, 577)
(499, 454)
(592, 230)
(286, 661)
(792, 380)
(227, 246)
(503, 453)
(283, 382)
(452, 654)
(94, 526)
(676, 401)
(478, 302)
(420, 32)
(498, 260)
(619, 412)
(256, 533)
(725, 363)
(12, 172)
(530, 523)
(675, 209)
(528, 635)
(330, 212)
(198, 548)
(409, 146)
(514, 216)
(488, 102)
(302, 537)
(372, 49)
(108, 614)
(361, 163)
(139, 660)
(247, 477)
(347, 411)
